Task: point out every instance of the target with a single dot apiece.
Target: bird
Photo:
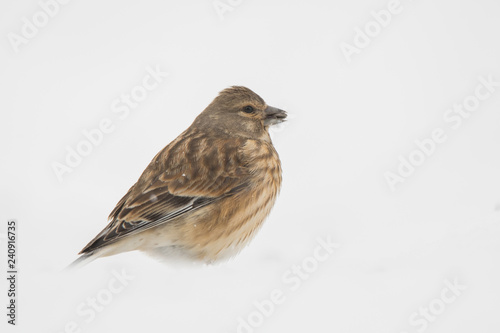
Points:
(204, 196)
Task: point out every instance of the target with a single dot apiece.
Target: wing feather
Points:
(190, 173)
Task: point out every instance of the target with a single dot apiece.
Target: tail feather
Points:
(83, 260)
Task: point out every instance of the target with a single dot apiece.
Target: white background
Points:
(350, 122)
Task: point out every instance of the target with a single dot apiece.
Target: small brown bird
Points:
(203, 196)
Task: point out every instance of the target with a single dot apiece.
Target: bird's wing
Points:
(181, 178)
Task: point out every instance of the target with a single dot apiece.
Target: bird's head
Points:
(241, 112)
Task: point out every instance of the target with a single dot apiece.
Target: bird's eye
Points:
(248, 109)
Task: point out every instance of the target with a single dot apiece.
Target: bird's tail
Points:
(83, 260)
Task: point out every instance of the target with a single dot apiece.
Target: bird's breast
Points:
(233, 222)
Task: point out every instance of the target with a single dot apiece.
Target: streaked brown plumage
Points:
(206, 193)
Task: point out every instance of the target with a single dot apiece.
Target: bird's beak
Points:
(274, 116)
